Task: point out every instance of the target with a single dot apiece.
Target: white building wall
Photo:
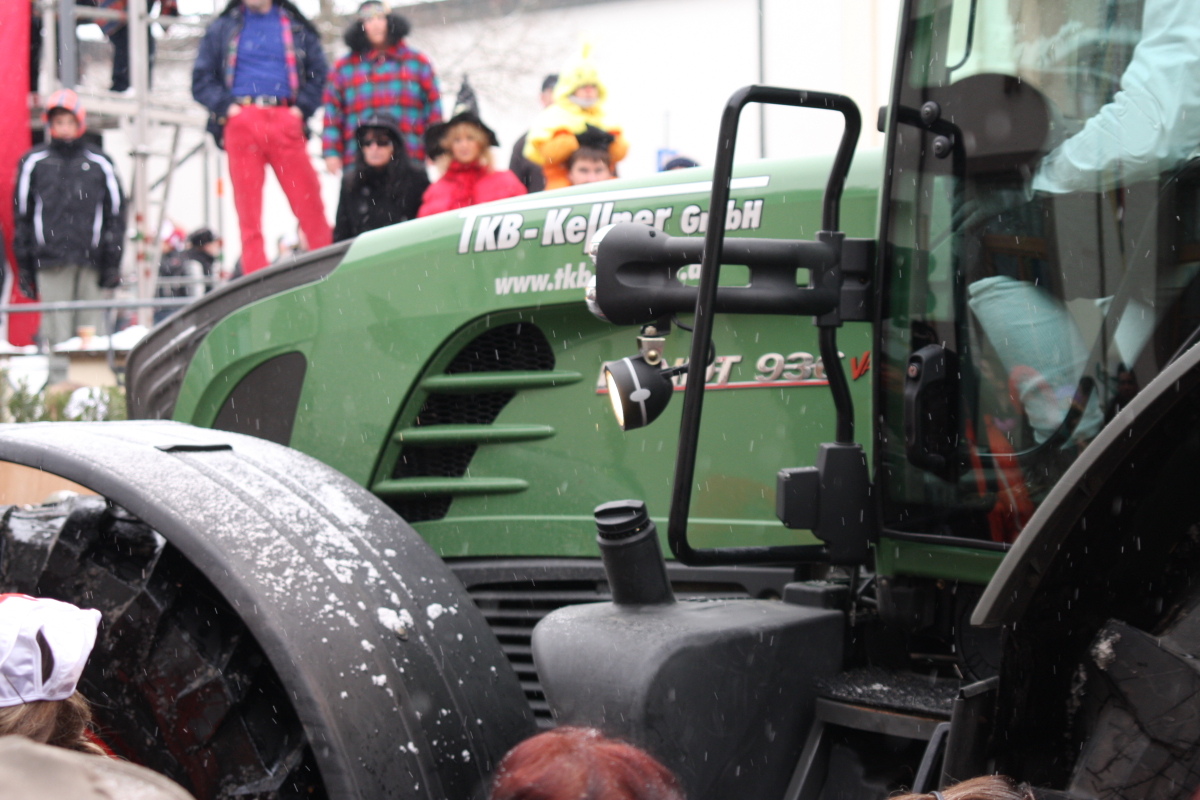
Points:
(670, 64)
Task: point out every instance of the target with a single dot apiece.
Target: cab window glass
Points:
(1042, 237)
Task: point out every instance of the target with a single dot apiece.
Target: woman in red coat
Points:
(464, 144)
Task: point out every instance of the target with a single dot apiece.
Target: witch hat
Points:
(466, 109)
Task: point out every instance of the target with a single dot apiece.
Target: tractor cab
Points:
(1038, 237)
(1034, 271)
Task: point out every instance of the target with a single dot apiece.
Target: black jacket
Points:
(210, 83)
(373, 197)
(526, 171)
(68, 209)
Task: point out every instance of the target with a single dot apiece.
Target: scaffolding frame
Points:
(139, 113)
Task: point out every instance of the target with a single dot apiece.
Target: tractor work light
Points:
(638, 391)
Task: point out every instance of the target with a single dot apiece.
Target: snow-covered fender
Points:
(400, 685)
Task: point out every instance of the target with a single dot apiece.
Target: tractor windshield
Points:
(1043, 242)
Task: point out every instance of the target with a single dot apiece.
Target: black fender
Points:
(1096, 596)
(1086, 483)
(401, 687)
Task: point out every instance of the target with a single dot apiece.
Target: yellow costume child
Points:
(578, 105)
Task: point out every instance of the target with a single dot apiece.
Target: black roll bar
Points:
(710, 266)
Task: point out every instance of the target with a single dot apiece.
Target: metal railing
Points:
(109, 306)
(92, 305)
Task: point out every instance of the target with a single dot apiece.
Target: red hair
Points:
(581, 764)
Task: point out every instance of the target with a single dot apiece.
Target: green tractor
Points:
(928, 507)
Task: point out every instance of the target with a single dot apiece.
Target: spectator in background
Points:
(290, 245)
(383, 186)
(579, 98)
(571, 763)
(118, 33)
(187, 273)
(680, 162)
(261, 73)
(591, 162)
(171, 237)
(526, 171)
(381, 75)
(462, 148)
(69, 216)
(204, 248)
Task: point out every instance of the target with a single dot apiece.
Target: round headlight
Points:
(638, 391)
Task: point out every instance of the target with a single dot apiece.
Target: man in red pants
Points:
(261, 73)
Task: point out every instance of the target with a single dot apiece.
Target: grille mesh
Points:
(516, 346)
(442, 462)
(463, 409)
(420, 509)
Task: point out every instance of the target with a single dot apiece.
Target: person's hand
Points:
(333, 164)
(233, 110)
(295, 112)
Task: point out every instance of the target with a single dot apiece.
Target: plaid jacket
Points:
(398, 82)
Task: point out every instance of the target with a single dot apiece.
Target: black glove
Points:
(27, 280)
(110, 277)
(596, 138)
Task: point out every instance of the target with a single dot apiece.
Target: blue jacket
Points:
(211, 83)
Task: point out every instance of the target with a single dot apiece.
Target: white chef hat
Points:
(44, 645)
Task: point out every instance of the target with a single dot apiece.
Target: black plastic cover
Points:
(833, 500)
(722, 692)
(636, 281)
(798, 497)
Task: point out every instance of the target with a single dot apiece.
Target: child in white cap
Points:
(44, 645)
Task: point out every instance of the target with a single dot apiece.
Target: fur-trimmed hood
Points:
(356, 35)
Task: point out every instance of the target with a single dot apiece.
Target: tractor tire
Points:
(1144, 716)
(177, 682)
(270, 629)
